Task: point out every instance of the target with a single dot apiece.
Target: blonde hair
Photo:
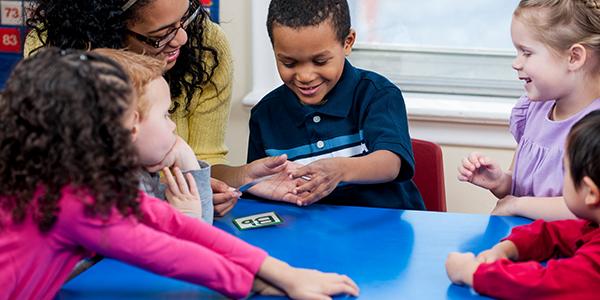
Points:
(562, 23)
(140, 69)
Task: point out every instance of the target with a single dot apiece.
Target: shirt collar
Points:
(339, 99)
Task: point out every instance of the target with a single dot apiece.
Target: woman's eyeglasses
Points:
(167, 38)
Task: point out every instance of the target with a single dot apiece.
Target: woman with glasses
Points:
(198, 70)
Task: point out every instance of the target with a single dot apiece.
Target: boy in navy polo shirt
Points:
(347, 126)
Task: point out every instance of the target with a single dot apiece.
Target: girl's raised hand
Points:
(481, 171)
(182, 192)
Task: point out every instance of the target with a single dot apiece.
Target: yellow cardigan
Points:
(204, 126)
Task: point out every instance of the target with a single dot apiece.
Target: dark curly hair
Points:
(583, 148)
(94, 24)
(60, 125)
(303, 13)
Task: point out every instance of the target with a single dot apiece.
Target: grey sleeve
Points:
(150, 184)
(202, 178)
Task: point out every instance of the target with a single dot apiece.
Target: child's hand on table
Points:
(503, 250)
(506, 206)
(460, 267)
(297, 283)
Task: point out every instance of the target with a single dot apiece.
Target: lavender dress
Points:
(538, 167)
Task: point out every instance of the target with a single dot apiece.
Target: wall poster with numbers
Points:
(12, 34)
(12, 25)
(14, 14)
(212, 6)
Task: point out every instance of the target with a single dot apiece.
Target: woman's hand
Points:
(224, 197)
(280, 186)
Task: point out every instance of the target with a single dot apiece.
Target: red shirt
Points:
(572, 251)
(34, 265)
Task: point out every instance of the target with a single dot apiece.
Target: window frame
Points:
(444, 109)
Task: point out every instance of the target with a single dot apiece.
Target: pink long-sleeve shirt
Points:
(34, 265)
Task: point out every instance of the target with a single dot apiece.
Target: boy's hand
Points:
(224, 197)
(182, 192)
(490, 256)
(481, 171)
(325, 175)
(503, 250)
(460, 267)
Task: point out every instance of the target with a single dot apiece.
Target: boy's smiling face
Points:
(310, 60)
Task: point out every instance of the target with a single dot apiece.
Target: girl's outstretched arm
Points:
(165, 242)
(546, 208)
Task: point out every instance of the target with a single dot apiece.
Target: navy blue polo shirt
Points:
(363, 113)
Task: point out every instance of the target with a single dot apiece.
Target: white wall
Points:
(236, 21)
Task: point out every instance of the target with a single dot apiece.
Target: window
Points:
(451, 58)
(438, 46)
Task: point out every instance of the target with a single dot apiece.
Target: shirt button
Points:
(316, 119)
(320, 144)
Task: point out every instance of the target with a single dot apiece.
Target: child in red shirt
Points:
(511, 269)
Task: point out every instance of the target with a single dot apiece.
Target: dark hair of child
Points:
(61, 124)
(583, 146)
(302, 13)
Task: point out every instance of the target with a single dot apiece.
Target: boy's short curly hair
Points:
(583, 148)
(302, 13)
(61, 125)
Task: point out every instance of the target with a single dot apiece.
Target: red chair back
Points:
(429, 174)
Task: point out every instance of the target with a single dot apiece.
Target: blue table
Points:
(391, 254)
